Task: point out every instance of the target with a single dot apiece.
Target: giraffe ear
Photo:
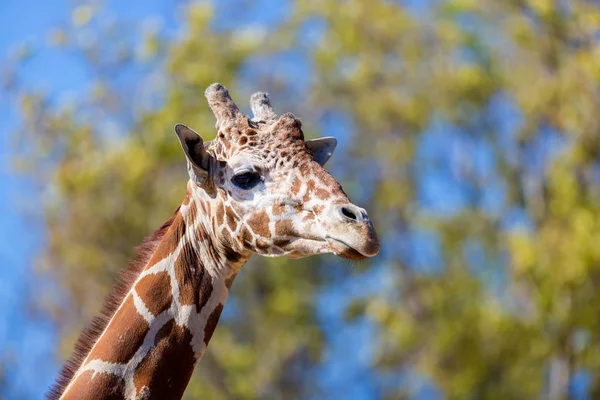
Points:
(198, 159)
(322, 148)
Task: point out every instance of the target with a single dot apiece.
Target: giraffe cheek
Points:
(284, 228)
(278, 210)
(259, 223)
(308, 218)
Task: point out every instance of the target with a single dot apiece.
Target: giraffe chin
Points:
(341, 249)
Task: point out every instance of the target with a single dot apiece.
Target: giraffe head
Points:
(263, 188)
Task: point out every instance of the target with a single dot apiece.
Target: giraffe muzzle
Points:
(351, 234)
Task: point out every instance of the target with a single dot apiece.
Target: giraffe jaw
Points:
(306, 247)
(365, 246)
(341, 249)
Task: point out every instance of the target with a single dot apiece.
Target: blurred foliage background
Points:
(468, 129)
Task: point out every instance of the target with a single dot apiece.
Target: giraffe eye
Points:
(246, 180)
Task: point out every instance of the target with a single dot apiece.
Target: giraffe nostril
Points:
(348, 213)
(351, 213)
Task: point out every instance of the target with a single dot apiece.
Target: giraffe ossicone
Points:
(257, 188)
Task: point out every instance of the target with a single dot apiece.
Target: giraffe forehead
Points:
(281, 138)
(264, 151)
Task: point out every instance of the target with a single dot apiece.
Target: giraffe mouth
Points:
(344, 250)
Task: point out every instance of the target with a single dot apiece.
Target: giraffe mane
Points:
(123, 284)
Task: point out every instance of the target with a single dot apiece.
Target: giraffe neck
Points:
(159, 332)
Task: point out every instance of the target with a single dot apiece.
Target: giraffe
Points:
(257, 188)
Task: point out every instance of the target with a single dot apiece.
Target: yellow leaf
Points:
(82, 15)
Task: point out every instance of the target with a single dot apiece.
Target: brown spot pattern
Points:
(296, 185)
(168, 366)
(123, 336)
(322, 193)
(229, 281)
(220, 214)
(230, 218)
(203, 294)
(203, 207)
(192, 213)
(169, 242)
(187, 260)
(101, 386)
(284, 228)
(155, 292)
(195, 283)
(164, 331)
(211, 323)
(262, 244)
(245, 236)
(259, 223)
(187, 198)
(281, 242)
(278, 209)
(231, 255)
(310, 187)
(226, 237)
